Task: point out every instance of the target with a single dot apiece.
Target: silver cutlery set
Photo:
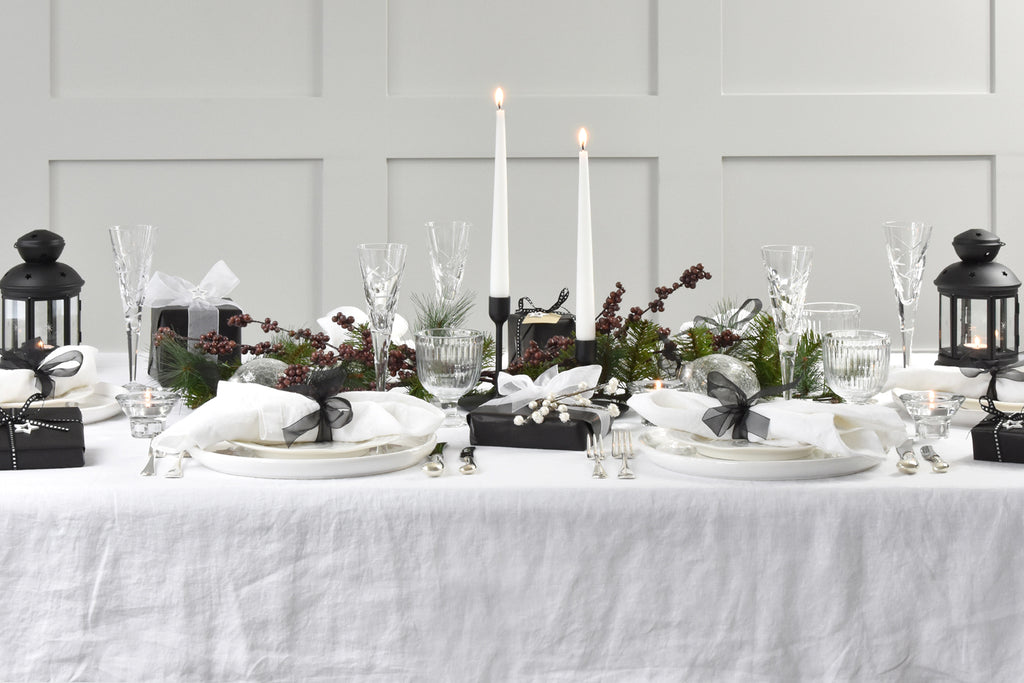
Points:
(176, 472)
(621, 449)
(908, 460)
(434, 466)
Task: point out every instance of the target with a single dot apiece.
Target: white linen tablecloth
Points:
(528, 570)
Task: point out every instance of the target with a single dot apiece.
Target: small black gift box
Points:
(176, 318)
(41, 438)
(539, 324)
(494, 426)
(998, 440)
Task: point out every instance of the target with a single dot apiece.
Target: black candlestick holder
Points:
(586, 351)
(499, 308)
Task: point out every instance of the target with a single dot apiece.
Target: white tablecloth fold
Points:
(18, 385)
(943, 378)
(251, 412)
(837, 428)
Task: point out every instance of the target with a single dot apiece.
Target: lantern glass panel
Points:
(944, 343)
(1006, 325)
(974, 324)
(14, 316)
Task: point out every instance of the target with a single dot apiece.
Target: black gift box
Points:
(538, 326)
(39, 447)
(1003, 445)
(494, 426)
(176, 318)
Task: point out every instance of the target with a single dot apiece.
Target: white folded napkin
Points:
(945, 378)
(252, 412)
(18, 385)
(840, 428)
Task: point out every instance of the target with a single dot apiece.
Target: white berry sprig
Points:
(559, 405)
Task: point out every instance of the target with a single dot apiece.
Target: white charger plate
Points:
(745, 451)
(96, 407)
(311, 449)
(663, 449)
(264, 462)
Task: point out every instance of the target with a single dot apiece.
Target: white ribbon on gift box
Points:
(518, 390)
(202, 299)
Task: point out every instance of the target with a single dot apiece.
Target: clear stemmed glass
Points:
(856, 363)
(382, 266)
(448, 362)
(906, 244)
(788, 267)
(448, 245)
(133, 259)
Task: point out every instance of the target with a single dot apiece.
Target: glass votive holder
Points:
(647, 385)
(147, 410)
(932, 411)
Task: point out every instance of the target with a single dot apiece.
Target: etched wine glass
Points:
(382, 266)
(788, 267)
(856, 363)
(448, 362)
(133, 260)
(906, 243)
(448, 245)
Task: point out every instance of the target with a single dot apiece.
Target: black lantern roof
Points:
(977, 275)
(41, 276)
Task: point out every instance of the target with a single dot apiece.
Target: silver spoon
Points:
(469, 466)
(938, 464)
(434, 466)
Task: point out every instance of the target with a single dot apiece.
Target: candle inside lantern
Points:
(585, 308)
(976, 344)
(499, 219)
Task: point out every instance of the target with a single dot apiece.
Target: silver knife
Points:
(467, 457)
(434, 467)
(908, 461)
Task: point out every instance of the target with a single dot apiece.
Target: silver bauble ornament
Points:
(695, 374)
(265, 371)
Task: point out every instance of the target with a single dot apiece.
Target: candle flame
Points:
(977, 341)
(583, 139)
(499, 97)
(657, 384)
(147, 398)
(39, 344)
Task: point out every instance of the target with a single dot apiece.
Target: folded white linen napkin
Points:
(840, 428)
(945, 378)
(252, 412)
(18, 385)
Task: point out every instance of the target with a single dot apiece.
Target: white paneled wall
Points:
(278, 134)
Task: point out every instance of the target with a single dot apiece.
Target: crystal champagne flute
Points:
(788, 267)
(906, 244)
(382, 266)
(133, 260)
(448, 245)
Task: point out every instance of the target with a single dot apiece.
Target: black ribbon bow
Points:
(998, 372)
(334, 412)
(735, 411)
(556, 307)
(17, 420)
(747, 311)
(1009, 420)
(31, 356)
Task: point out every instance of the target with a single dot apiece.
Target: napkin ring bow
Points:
(30, 357)
(735, 411)
(333, 412)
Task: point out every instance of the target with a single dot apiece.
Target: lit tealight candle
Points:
(657, 385)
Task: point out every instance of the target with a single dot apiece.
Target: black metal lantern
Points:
(979, 310)
(41, 296)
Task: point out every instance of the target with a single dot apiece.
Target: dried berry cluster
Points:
(293, 374)
(533, 356)
(726, 339)
(609, 320)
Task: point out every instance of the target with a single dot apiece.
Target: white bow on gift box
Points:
(517, 391)
(202, 300)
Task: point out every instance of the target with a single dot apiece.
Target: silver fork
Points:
(623, 443)
(596, 453)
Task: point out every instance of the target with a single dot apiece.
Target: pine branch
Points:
(433, 312)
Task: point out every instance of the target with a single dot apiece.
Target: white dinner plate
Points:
(665, 450)
(309, 450)
(97, 406)
(244, 461)
(746, 451)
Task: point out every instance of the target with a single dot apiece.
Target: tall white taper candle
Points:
(585, 313)
(499, 220)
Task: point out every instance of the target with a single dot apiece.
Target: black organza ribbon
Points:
(997, 372)
(735, 411)
(334, 412)
(17, 420)
(30, 357)
(747, 311)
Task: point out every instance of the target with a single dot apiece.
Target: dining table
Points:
(528, 569)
